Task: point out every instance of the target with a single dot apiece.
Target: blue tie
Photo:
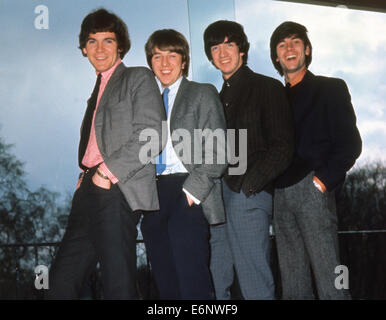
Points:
(161, 161)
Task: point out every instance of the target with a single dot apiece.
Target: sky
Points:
(347, 44)
(45, 81)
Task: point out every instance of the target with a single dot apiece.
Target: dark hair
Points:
(102, 20)
(168, 40)
(285, 30)
(216, 33)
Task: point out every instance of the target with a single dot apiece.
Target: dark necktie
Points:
(161, 162)
(87, 120)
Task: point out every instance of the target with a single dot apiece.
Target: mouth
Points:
(225, 61)
(166, 72)
(292, 57)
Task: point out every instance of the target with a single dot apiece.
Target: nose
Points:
(99, 46)
(222, 51)
(164, 61)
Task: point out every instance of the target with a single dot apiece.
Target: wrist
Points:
(319, 184)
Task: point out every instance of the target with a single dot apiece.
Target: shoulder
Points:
(265, 81)
(201, 88)
(332, 90)
(137, 78)
(330, 83)
(137, 72)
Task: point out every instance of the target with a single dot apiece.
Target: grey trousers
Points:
(242, 244)
(305, 225)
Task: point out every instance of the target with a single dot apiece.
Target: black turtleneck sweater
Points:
(259, 104)
(327, 139)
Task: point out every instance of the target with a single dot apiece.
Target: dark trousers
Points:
(177, 242)
(101, 228)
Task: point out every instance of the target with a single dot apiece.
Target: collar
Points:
(107, 74)
(307, 76)
(297, 79)
(237, 76)
(172, 88)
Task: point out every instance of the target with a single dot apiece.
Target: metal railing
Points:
(14, 286)
(363, 251)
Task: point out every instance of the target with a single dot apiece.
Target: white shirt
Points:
(173, 163)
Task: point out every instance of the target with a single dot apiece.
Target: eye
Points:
(214, 48)
(230, 44)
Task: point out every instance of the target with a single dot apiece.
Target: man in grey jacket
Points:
(114, 183)
(188, 174)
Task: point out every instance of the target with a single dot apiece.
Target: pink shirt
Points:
(92, 156)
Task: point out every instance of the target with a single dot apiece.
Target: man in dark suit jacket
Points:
(114, 183)
(188, 175)
(327, 145)
(257, 104)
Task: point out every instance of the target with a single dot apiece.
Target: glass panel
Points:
(347, 44)
(201, 14)
(46, 81)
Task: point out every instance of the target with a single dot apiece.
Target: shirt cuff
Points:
(195, 200)
(103, 168)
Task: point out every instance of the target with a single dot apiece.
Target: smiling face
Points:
(167, 66)
(102, 50)
(291, 55)
(227, 57)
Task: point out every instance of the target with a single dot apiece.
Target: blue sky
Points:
(46, 81)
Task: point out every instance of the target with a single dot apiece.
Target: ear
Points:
(307, 51)
(242, 53)
(277, 59)
(84, 51)
(183, 65)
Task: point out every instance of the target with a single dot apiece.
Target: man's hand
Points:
(101, 182)
(190, 200)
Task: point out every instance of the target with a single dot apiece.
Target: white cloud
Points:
(371, 127)
(354, 40)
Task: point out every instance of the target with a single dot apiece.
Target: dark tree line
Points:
(362, 205)
(25, 217)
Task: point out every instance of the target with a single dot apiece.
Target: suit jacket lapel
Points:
(111, 85)
(179, 102)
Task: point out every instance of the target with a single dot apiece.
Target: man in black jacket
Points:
(326, 147)
(257, 104)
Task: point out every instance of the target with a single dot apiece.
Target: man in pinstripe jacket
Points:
(258, 104)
